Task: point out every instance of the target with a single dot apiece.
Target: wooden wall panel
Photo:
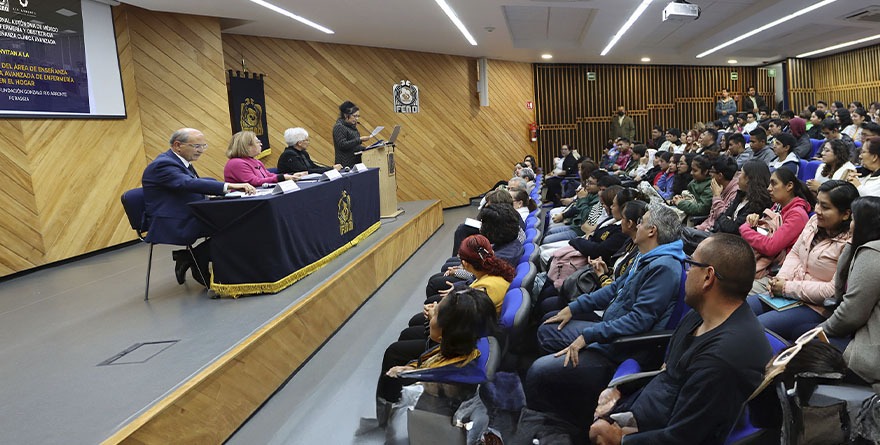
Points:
(451, 150)
(22, 244)
(848, 76)
(180, 82)
(574, 110)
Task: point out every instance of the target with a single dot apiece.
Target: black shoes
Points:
(182, 263)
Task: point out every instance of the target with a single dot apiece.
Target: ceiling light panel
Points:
(454, 18)
(623, 29)
(287, 13)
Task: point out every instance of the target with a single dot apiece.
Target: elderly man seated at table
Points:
(296, 156)
(244, 167)
(170, 182)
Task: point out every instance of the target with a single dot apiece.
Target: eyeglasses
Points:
(196, 146)
(806, 337)
(689, 262)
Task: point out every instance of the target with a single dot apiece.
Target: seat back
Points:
(135, 210)
(515, 312)
(802, 170)
(528, 250)
(815, 144)
(521, 270)
(478, 371)
(810, 169)
(681, 308)
(747, 137)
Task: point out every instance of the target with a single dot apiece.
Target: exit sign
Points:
(734, 75)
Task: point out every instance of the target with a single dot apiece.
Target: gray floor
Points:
(58, 324)
(325, 401)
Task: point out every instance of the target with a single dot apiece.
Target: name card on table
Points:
(332, 174)
(360, 167)
(285, 187)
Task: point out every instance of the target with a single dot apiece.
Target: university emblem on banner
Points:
(4, 5)
(406, 97)
(343, 212)
(252, 116)
(247, 106)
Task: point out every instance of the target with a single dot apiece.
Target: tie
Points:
(193, 170)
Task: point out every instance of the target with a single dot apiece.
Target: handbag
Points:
(582, 281)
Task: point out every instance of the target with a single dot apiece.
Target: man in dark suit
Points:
(170, 182)
(752, 102)
(622, 125)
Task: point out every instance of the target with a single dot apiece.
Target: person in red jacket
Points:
(771, 235)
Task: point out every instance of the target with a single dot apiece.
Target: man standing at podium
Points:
(346, 138)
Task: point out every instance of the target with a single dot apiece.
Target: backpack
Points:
(564, 262)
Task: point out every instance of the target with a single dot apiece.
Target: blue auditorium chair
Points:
(809, 171)
(816, 145)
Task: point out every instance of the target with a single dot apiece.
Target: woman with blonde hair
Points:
(243, 167)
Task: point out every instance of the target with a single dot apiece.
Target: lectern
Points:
(382, 157)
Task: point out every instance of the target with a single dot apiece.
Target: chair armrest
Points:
(634, 381)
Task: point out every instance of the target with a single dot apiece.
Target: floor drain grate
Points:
(139, 353)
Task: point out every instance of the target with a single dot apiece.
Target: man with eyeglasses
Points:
(581, 356)
(715, 359)
(170, 182)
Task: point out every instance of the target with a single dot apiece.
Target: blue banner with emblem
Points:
(247, 106)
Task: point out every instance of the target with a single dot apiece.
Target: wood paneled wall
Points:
(574, 110)
(848, 76)
(63, 177)
(451, 150)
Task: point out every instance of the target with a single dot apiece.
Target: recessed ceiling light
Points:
(458, 24)
(287, 13)
(66, 12)
(646, 59)
(546, 56)
(766, 27)
(731, 61)
(623, 29)
(839, 45)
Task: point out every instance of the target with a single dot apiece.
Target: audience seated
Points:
(579, 213)
(665, 179)
(698, 200)
(831, 131)
(457, 322)
(858, 314)
(869, 156)
(758, 144)
(807, 274)
(565, 165)
(815, 129)
(623, 258)
(803, 146)
(715, 360)
(751, 198)
(549, 247)
(783, 144)
(568, 382)
(724, 185)
(489, 273)
(501, 225)
(835, 164)
(774, 232)
(243, 167)
(673, 142)
(522, 202)
(682, 177)
(736, 148)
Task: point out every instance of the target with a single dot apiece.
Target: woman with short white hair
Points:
(296, 156)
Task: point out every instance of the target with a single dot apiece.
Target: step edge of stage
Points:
(181, 406)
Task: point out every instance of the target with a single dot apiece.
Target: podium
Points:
(382, 157)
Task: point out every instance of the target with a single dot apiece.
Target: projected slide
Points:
(42, 57)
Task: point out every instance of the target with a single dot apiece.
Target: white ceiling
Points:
(574, 31)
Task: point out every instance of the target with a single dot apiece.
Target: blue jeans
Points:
(790, 323)
(570, 392)
(560, 235)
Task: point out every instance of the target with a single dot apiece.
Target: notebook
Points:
(780, 303)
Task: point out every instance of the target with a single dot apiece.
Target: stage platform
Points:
(197, 367)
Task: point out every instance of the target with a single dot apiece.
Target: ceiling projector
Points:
(681, 12)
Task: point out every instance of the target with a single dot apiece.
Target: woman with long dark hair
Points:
(752, 197)
(456, 323)
(772, 234)
(856, 285)
(835, 164)
(807, 274)
(868, 185)
(844, 120)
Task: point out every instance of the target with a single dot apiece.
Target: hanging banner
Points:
(406, 97)
(247, 107)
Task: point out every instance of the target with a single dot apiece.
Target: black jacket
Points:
(293, 161)
(346, 141)
(727, 223)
